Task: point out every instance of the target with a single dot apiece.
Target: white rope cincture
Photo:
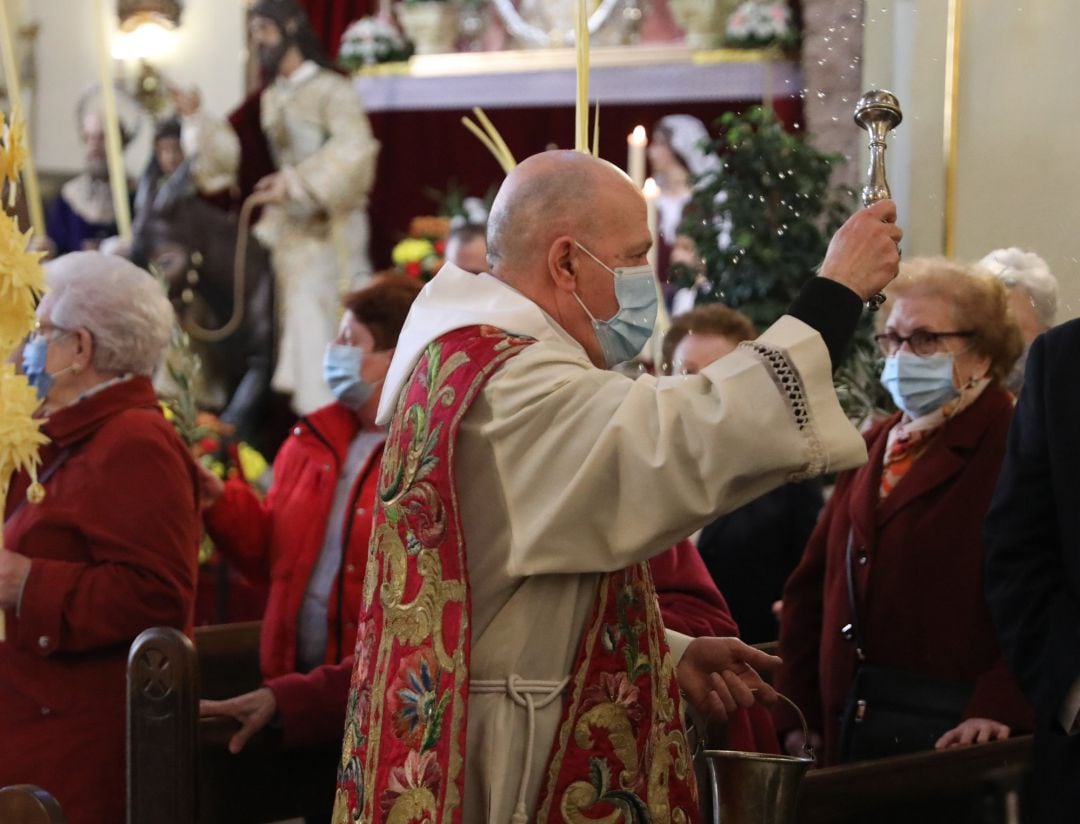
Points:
(521, 692)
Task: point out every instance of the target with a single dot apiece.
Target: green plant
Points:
(762, 223)
(456, 203)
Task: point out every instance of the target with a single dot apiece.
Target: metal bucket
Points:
(756, 788)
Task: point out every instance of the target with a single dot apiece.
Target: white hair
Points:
(1016, 268)
(121, 305)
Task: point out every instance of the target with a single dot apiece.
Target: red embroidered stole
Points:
(621, 752)
(621, 745)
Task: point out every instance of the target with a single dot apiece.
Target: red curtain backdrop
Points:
(330, 18)
(422, 151)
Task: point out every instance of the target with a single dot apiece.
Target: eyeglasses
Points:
(921, 341)
(49, 332)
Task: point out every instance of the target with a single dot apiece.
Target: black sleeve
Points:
(832, 309)
(1036, 617)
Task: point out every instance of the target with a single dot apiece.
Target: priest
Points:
(511, 663)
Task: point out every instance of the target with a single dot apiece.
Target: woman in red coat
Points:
(309, 538)
(110, 551)
(913, 518)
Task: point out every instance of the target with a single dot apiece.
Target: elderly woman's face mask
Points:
(35, 354)
(919, 384)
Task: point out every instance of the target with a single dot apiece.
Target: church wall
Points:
(208, 52)
(1017, 174)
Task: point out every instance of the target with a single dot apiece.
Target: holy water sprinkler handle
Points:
(878, 112)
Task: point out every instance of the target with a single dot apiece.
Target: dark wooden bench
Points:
(27, 804)
(950, 786)
(179, 768)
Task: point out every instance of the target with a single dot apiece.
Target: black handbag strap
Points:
(854, 627)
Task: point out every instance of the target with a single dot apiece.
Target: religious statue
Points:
(315, 225)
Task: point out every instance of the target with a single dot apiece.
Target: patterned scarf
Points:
(908, 439)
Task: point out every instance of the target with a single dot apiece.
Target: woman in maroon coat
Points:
(110, 551)
(913, 516)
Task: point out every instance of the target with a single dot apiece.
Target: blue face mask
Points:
(624, 335)
(341, 371)
(919, 384)
(33, 364)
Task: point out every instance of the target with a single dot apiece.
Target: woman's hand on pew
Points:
(973, 731)
(253, 710)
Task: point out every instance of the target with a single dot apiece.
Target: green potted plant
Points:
(762, 223)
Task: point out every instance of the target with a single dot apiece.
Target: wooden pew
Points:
(180, 771)
(179, 767)
(947, 786)
(27, 804)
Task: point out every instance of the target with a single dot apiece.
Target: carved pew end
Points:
(162, 724)
(27, 804)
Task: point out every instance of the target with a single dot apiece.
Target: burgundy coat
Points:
(113, 552)
(278, 541)
(918, 568)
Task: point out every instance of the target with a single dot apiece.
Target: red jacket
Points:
(312, 705)
(279, 540)
(113, 552)
(919, 561)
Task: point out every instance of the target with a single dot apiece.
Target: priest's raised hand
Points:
(864, 254)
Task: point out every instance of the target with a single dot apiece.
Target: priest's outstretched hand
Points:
(719, 675)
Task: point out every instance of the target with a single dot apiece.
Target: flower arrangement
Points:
(420, 255)
(22, 283)
(211, 441)
(757, 24)
(217, 449)
(370, 41)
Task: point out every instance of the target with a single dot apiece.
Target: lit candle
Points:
(652, 192)
(29, 171)
(635, 160)
(663, 321)
(581, 110)
(114, 152)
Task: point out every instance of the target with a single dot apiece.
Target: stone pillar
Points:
(832, 79)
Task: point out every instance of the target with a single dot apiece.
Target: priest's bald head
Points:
(560, 223)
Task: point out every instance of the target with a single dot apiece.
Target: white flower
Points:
(371, 40)
(758, 21)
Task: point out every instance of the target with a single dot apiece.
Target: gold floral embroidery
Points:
(406, 558)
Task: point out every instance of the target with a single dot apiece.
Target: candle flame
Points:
(638, 137)
(651, 189)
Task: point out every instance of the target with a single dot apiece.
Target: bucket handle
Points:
(809, 750)
(698, 722)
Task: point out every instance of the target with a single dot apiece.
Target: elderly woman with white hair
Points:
(109, 552)
(1033, 298)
